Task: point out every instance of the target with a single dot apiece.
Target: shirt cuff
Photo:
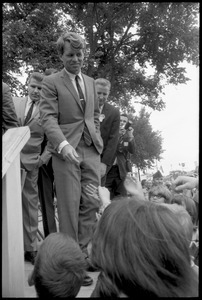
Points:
(61, 146)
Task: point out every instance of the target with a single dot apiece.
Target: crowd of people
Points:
(142, 238)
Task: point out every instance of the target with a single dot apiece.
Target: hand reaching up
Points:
(100, 193)
(133, 186)
(185, 182)
(92, 190)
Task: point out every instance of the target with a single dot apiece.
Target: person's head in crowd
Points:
(184, 219)
(196, 201)
(143, 183)
(160, 194)
(191, 208)
(71, 48)
(103, 87)
(188, 203)
(168, 184)
(178, 199)
(147, 256)
(50, 71)
(148, 184)
(59, 267)
(157, 178)
(145, 188)
(35, 86)
(123, 121)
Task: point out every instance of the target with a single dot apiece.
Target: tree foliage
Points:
(29, 34)
(148, 143)
(125, 42)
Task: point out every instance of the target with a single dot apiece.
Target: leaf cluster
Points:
(137, 46)
(148, 143)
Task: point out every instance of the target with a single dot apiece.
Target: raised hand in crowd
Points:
(185, 182)
(100, 193)
(134, 187)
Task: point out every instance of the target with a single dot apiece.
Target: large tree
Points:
(137, 46)
(148, 143)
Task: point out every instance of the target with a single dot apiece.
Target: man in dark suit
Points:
(46, 187)
(70, 117)
(31, 159)
(122, 164)
(9, 117)
(109, 126)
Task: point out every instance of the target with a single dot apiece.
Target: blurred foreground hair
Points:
(141, 249)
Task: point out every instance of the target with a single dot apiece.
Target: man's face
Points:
(34, 89)
(102, 93)
(157, 198)
(123, 121)
(157, 181)
(72, 59)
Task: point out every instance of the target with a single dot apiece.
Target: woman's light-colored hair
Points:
(141, 249)
(75, 40)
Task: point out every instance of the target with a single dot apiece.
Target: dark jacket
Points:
(124, 149)
(109, 128)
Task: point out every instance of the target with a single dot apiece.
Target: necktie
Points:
(86, 134)
(81, 96)
(29, 113)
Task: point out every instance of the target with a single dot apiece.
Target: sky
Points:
(179, 124)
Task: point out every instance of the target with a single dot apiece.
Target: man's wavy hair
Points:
(141, 249)
(59, 267)
(35, 75)
(103, 82)
(75, 40)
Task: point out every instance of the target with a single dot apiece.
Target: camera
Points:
(128, 124)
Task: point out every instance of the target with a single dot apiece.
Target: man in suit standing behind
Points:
(122, 164)
(70, 117)
(46, 187)
(27, 110)
(109, 126)
(9, 117)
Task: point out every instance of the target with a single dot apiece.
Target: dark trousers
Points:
(114, 183)
(46, 197)
(104, 178)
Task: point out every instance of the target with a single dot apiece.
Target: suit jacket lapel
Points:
(22, 109)
(69, 85)
(87, 88)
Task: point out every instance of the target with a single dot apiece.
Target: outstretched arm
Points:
(185, 182)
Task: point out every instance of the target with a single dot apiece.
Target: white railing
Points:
(13, 283)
